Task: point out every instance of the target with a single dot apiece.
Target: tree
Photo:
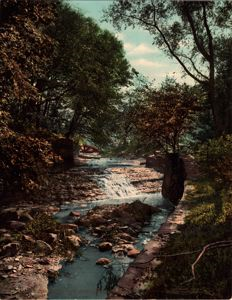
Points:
(25, 55)
(162, 116)
(224, 82)
(186, 31)
(85, 82)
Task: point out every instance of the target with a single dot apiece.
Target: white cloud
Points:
(120, 36)
(146, 63)
(128, 46)
(141, 49)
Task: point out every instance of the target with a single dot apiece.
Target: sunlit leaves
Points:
(166, 114)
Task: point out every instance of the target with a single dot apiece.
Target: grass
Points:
(209, 221)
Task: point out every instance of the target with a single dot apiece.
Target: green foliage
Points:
(41, 225)
(186, 31)
(85, 82)
(215, 159)
(158, 118)
(25, 160)
(204, 225)
(25, 54)
(59, 73)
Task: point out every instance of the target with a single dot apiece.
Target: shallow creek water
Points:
(80, 279)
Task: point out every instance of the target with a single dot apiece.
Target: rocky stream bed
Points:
(106, 210)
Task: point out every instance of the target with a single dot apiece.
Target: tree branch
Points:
(211, 51)
(194, 66)
(200, 47)
(167, 44)
(207, 247)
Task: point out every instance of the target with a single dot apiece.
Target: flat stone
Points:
(133, 253)
(74, 240)
(103, 261)
(76, 214)
(69, 226)
(105, 246)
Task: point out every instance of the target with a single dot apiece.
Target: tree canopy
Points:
(186, 30)
(87, 75)
(60, 74)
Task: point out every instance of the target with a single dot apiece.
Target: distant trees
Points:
(187, 31)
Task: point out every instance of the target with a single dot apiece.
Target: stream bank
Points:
(76, 186)
(137, 276)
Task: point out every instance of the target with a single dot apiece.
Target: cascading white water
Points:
(80, 279)
(116, 185)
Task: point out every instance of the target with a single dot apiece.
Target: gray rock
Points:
(42, 247)
(10, 249)
(16, 225)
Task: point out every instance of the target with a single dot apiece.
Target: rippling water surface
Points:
(80, 279)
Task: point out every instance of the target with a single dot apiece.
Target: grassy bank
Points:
(186, 272)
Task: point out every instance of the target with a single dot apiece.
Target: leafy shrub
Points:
(41, 225)
(24, 160)
(216, 160)
(204, 225)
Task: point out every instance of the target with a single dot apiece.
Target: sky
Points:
(145, 57)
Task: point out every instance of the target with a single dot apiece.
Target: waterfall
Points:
(116, 185)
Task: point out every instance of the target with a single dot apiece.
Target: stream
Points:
(83, 279)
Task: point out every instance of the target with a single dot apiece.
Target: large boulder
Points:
(174, 177)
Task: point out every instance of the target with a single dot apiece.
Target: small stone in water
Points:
(105, 246)
(133, 253)
(103, 261)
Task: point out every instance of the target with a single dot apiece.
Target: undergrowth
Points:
(209, 221)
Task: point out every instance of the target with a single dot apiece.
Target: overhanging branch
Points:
(154, 25)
